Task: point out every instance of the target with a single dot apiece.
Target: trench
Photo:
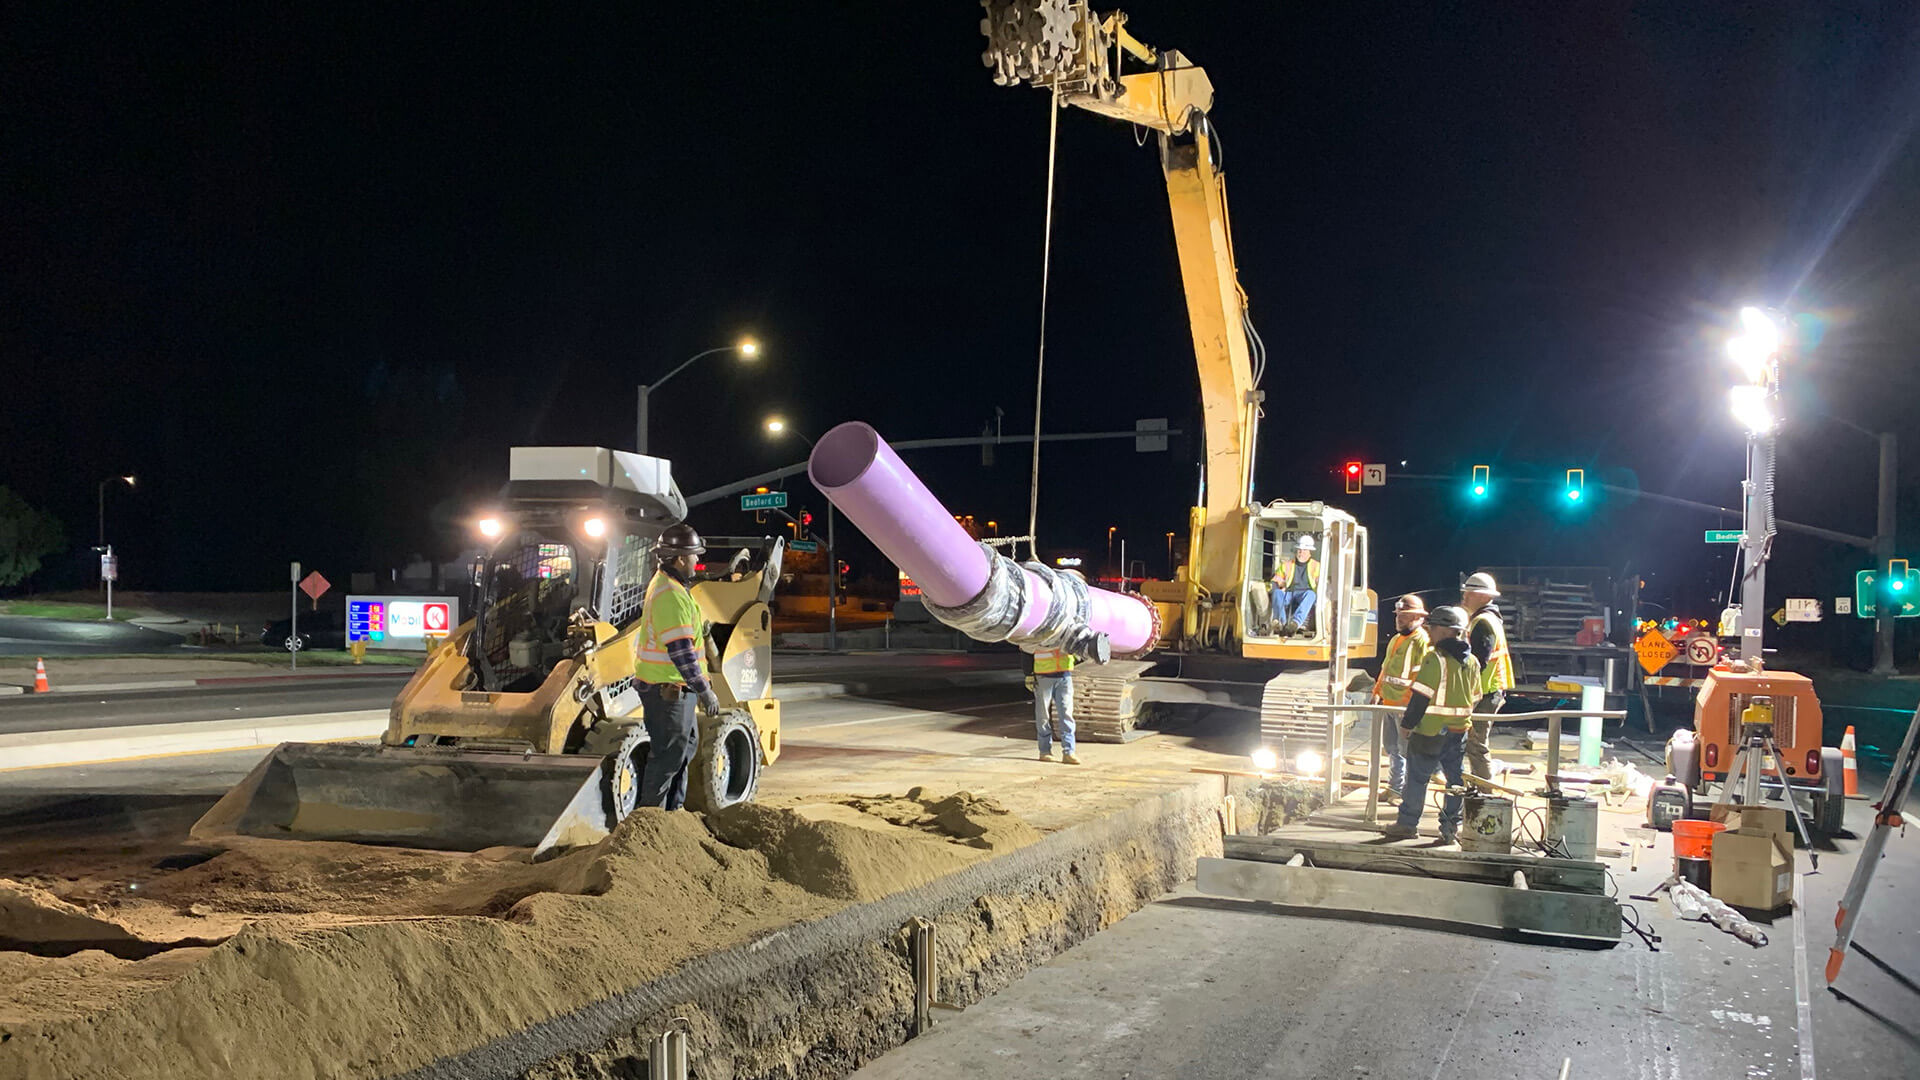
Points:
(817, 1000)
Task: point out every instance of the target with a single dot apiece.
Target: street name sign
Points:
(1725, 536)
(771, 500)
(804, 545)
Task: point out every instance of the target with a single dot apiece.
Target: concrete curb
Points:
(99, 746)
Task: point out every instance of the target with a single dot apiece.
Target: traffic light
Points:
(1576, 480)
(1482, 480)
(806, 524)
(1899, 576)
(1353, 477)
(760, 516)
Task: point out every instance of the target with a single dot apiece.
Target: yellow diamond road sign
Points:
(1654, 651)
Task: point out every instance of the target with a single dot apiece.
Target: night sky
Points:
(309, 276)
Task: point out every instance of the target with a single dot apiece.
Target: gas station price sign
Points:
(366, 620)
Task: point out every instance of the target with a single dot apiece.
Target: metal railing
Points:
(1335, 747)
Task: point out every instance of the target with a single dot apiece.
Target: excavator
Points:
(522, 729)
(1220, 644)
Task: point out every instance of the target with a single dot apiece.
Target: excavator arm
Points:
(1076, 53)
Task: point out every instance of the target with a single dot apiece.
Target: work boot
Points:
(1449, 838)
(1068, 759)
(1046, 755)
(1390, 797)
(1290, 629)
(1397, 831)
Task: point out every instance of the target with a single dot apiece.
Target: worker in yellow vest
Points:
(1487, 637)
(1296, 587)
(671, 669)
(1053, 686)
(1439, 710)
(1406, 653)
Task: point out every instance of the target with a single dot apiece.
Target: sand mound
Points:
(358, 961)
(865, 847)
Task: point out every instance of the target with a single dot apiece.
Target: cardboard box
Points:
(1753, 868)
(1771, 819)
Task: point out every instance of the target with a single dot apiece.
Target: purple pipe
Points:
(866, 480)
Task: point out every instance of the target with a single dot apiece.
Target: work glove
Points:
(709, 702)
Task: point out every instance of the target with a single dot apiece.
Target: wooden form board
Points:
(1540, 912)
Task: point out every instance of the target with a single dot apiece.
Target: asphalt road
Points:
(66, 712)
(162, 794)
(1204, 988)
(23, 635)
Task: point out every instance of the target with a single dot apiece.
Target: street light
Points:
(106, 552)
(1756, 351)
(778, 426)
(128, 480)
(1172, 570)
(746, 347)
(1111, 529)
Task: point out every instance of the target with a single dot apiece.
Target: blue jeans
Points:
(1426, 753)
(1292, 606)
(1396, 761)
(1057, 691)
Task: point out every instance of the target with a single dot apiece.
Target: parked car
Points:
(318, 630)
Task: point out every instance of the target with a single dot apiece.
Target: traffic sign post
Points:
(293, 624)
(770, 500)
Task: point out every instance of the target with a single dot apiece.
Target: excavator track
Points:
(1106, 701)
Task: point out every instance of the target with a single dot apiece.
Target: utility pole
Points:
(833, 587)
(1883, 549)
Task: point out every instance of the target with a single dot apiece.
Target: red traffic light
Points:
(1353, 468)
(806, 517)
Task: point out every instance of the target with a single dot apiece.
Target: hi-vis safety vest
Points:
(1406, 654)
(1052, 662)
(1498, 674)
(1451, 687)
(670, 615)
(1287, 576)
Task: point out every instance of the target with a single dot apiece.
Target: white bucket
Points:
(1488, 825)
(1575, 823)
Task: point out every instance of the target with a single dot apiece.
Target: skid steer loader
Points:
(523, 728)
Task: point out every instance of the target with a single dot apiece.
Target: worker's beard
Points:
(684, 577)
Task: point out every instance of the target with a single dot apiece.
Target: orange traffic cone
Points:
(1849, 771)
(40, 677)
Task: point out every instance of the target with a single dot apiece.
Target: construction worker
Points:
(1439, 709)
(1405, 655)
(671, 669)
(1296, 585)
(1053, 686)
(1487, 638)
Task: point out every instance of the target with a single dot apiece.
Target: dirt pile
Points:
(351, 961)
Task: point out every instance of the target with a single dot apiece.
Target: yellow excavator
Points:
(523, 728)
(1221, 644)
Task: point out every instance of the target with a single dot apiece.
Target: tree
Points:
(26, 536)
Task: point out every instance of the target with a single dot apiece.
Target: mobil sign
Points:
(404, 623)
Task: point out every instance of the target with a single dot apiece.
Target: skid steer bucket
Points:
(451, 800)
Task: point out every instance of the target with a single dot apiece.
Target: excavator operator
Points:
(1296, 586)
(671, 669)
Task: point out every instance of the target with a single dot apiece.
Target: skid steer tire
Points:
(620, 780)
(726, 767)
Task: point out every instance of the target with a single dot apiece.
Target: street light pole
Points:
(777, 426)
(748, 349)
(101, 491)
(1883, 549)
(1757, 352)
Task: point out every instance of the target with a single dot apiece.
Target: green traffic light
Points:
(1574, 495)
(1479, 489)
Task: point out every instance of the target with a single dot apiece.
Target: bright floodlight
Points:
(594, 527)
(1265, 759)
(1751, 409)
(1756, 345)
(749, 348)
(489, 527)
(128, 479)
(1309, 763)
(776, 425)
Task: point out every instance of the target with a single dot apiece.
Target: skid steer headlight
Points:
(1309, 763)
(490, 527)
(594, 527)
(1265, 759)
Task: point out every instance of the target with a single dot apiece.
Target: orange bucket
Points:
(1694, 839)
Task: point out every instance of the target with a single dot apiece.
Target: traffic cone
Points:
(1849, 771)
(40, 677)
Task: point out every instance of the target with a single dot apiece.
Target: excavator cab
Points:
(1342, 601)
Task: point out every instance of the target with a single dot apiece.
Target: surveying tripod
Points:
(1756, 748)
(1886, 818)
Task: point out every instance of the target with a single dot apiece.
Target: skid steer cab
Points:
(523, 728)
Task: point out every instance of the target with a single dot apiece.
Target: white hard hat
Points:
(1305, 543)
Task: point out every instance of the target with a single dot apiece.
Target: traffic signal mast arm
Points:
(1671, 500)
